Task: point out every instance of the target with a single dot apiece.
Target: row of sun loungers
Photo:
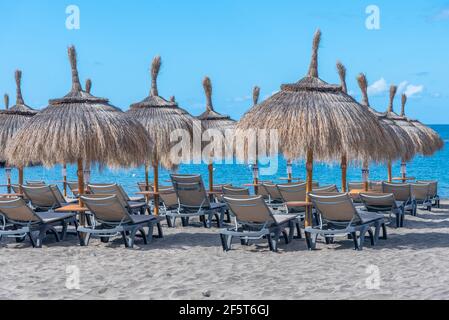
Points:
(271, 214)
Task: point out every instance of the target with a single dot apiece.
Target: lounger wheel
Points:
(244, 242)
(104, 239)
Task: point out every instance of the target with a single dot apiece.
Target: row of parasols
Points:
(314, 120)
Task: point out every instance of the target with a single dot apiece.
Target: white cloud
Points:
(402, 86)
(378, 87)
(412, 90)
(242, 99)
(442, 15)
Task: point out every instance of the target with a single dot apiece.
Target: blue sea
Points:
(435, 167)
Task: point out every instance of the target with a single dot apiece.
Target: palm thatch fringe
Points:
(79, 126)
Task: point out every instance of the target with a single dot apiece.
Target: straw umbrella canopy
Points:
(316, 120)
(80, 127)
(214, 121)
(422, 142)
(160, 118)
(11, 120)
(434, 140)
(436, 143)
(398, 137)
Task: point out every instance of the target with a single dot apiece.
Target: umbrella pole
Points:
(8, 178)
(256, 177)
(20, 178)
(64, 179)
(156, 189)
(404, 171)
(365, 175)
(147, 181)
(344, 170)
(289, 172)
(390, 176)
(309, 179)
(211, 177)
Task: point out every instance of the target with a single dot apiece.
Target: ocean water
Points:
(435, 167)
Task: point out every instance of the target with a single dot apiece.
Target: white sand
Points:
(190, 264)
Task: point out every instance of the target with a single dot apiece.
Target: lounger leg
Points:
(244, 242)
(355, 240)
(204, 220)
(125, 239)
(160, 232)
(169, 224)
(144, 235)
(64, 230)
(311, 242)
(184, 222)
(298, 230)
(209, 218)
(286, 237)
(52, 230)
(229, 242)
(84, 239)
(223, 242)
(384, 231)
(271, 243)
(30, 236)
(371, 236)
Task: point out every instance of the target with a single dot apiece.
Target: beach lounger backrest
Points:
(250, 209)
(330, 188)
(58, 194)
(142, 186)
(41, 196)
(272, 191)
(232, 191)
(109, 189)
(420, 191)
(35, 183)
(376, 186)
(219, 187)
(401, 191)
(355, 185)
(108, 208)
(16, 189)
(16, 210)
(190, 191)
(334, 208)
(261, 191)
(378, 202)
(168, 197)
(293, 192)
(433, 186)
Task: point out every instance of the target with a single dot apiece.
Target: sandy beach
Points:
(190, 264)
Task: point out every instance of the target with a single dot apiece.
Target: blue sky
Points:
(238, 44)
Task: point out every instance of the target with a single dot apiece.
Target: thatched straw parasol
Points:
(422, 142)
(212, 120)
(11, 120)
(397, 137)
(434, 140)
(80, 127)
(160, 118)
(316, 120)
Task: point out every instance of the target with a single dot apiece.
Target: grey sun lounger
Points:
(135, 205)
(402, 192)
(377, 202)
(194, 202)
(339, 217)
(421, 195)
(22, 221)
(433, 192)
(112, 218)
(254, 221)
